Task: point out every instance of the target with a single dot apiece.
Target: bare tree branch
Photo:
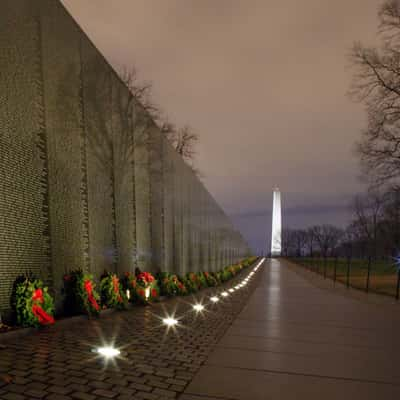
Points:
(376, 84)
(184, 140)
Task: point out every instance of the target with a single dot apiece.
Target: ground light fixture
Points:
(198, 307)
(231, 290)
(169, 321)
(214, 299)
(108, 351)
(225, 294)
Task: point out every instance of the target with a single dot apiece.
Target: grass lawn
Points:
(383, 273)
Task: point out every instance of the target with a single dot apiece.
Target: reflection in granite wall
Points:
(24, 211)
(61, 66)
(87, 180)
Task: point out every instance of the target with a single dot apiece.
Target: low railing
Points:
(379, 276)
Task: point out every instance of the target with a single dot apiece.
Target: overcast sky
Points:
(264, 84)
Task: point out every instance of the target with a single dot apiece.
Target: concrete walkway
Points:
(294, 340)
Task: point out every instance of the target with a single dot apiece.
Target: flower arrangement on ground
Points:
(194, 279)
(142, 288)
(202, 280)
(171, 285)
(129, 284)
(226, 274)
(167, 286)
(146, 289)
(80, 294)
(33, 304)
(217, 277)
(191, 287)
(210, 279)
(112, 293)
(182, 289)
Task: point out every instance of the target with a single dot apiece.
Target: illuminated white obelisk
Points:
(276, 238)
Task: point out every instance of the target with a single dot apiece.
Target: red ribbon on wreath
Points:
(37, 310)
(115, 282)
(89, 290)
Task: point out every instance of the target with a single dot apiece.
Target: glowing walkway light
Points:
(225, 294)
(214, 299)
(231, 290)
(170, 321)
(108, 352)
(198, 307)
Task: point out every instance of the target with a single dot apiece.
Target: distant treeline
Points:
(373, 232)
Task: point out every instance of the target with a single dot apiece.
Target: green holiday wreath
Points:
(80, 294)
(111, 292)
(33, 304)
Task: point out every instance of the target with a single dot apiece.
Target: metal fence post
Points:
(335, 269)
(348, 272)
(368, 273)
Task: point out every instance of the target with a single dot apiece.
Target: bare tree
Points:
(310, 241)
(185, 142)
(377, 85)
(350, 237)
(389, 226)
(184, 139)
(141, 91)
(327, 237)
(300, 240)
(368, 211)
(287, 241)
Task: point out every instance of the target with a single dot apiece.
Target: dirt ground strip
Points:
(58, 363)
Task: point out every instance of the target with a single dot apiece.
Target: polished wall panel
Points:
(123, 173)
(62, 72)
(87, 179)
(142, 188)
(24, 208)
(156, 166)
(97, 94)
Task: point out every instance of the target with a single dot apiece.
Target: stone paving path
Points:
(298, 340)
(57, 363)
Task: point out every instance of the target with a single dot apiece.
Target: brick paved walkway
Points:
(57, 363)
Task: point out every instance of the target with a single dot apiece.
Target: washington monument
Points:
(276, 237)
